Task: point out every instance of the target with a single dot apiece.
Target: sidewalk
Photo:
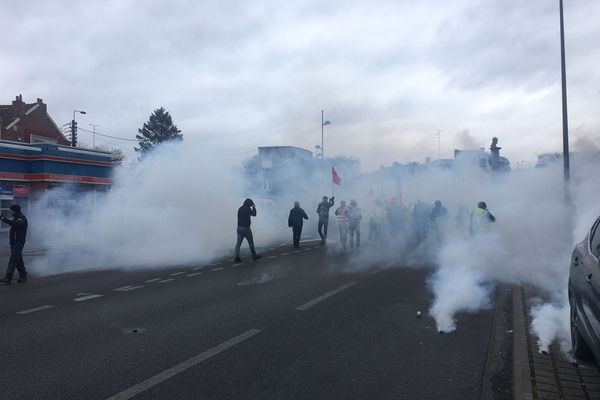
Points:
(551, 376)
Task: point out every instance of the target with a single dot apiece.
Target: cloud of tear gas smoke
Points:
(550, 322)
(177, 206)
(530, 243)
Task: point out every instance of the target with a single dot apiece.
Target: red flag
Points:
(335, 177)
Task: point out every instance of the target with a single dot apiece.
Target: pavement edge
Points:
(522, 381)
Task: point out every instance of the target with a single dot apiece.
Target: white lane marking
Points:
(178, 273)
(88, 297)
(194, 274)
(236, 265)
(181, 367)
(327, 295)
(217, 269)
(272, 248)
(197, 268)
(166, 280)
(128, 288)
(310, 240)
(31, 310)
(284, 254)
(376, 271)
(272, 257)
(153, 280)
(215, 264)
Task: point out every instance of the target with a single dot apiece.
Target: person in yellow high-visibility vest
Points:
(481, 219)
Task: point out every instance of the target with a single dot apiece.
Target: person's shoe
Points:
(322, 243)
(237, 260)
(21, 280)
(257, 257)
(5, 281)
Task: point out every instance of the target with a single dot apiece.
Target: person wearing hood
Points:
(295, 221)
(245, 212)
(354, 217)
(481, 219)
(17, 237)
(323, 211)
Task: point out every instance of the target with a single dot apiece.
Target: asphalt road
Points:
(295, 325)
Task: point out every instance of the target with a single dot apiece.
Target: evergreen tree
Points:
(158, 129)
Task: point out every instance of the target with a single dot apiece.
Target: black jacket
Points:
(18, 228)
(323, 208)
(297, 216)
(244, 214)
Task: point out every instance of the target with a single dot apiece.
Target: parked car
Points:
(584, 296)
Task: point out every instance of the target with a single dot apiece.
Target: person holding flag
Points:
(323, 211)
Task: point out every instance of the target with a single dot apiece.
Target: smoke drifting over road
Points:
(179, 207)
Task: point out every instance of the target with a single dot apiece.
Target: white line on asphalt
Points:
(194, 274)
(284, 254)
(310, 240)
(127, 288)
(376, 271)
(215, 264)
(34, 309)
(236, 265)
(88, 297)
(272, 248)
(327, 295)
(197, 268)
(166, 280)
(217, 269)
(153, 280)
(272, 257)
(178, 273)
(181, 367)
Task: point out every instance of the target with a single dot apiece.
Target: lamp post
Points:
(565, 121)
(74, 128)
(323, 123)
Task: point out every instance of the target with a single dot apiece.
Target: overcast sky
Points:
(243, 74)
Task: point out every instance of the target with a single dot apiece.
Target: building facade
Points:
(35, 158)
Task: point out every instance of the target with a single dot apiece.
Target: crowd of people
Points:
(388, 221)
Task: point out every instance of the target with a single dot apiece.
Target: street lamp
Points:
(323, 123)
(566, 166)
(74, 128)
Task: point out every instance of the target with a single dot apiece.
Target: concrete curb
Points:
(522, 382)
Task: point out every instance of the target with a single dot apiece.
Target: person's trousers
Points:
(244, 233)
(343, 234)
(297, 232)
(322, 228)
(354, 230)
(16, 261)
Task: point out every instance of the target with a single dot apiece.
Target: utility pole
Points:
(74, 128)
(94, 126)
(566, 165)
(322, 141)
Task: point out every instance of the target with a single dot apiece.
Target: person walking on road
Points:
(17, 236)
(439, 217)
(245, 212)
(481, 219)
(295, 221)
(354, 217)
(342, 214)
(323, 211)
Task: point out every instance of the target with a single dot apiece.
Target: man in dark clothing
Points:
(247, 210)
(323, 211)
(18, 234)
(295, 221)
(439, 217)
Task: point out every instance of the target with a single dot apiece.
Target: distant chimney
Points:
(39, 100)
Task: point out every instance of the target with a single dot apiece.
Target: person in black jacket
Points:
(18, 235)
(323, 211)
(247, 210)
(295, 221)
